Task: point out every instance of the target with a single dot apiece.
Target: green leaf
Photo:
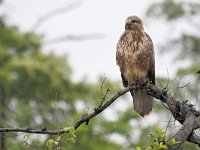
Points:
(58, 138)
(72, 140)
(71, 130)
(162, 146)
(56, 142)
(26, 137)
(160, 132)
(50, 143)
(173, 141)
(138, 148)
(73, 135)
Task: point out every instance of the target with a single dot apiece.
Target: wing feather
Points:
(151, 71)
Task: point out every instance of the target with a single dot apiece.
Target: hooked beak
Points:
(129, 23)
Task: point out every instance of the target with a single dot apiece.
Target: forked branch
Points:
(183, 112)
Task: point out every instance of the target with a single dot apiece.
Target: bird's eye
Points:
(133, 21)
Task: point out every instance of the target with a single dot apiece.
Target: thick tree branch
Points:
(186, 129)
(182, 111)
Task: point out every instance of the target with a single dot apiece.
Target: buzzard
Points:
(135, 57)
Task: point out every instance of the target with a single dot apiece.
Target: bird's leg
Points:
(138, 83)
(142, 83)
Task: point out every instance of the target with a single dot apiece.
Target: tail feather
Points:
(142, 102)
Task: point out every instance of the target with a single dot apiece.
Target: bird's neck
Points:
(135, 34)
(135, 28)
(135, 31)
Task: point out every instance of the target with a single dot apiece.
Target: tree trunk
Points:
(2, 115)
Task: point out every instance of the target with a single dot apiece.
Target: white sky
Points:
(93, 57)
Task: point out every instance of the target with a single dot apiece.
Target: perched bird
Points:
(135, 57)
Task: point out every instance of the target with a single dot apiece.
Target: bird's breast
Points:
(136, 58)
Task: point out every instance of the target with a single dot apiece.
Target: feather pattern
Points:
(135, 58)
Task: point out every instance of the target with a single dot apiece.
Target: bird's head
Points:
(134, 22)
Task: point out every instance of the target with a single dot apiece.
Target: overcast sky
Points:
(89, 58)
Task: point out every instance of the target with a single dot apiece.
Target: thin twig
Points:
(167, 79)
(102, 83)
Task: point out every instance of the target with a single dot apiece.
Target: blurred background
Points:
(54, 56)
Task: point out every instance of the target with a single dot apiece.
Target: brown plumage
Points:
(135, 57)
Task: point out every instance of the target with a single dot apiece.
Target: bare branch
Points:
(186, 129)
(72, 38)
(35, 131)
(182, 111)
(53, 13)
(104, 106)
(85, 118)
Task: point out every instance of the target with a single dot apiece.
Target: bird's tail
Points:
(142, 102)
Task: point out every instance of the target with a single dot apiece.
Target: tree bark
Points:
(2, 115)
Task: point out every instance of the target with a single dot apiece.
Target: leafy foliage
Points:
(186, 44)
(172, 10)
(159, 141)
(40, 93)
(54, 143)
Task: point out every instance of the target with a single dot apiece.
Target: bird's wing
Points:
(120, 56)
(151, 71)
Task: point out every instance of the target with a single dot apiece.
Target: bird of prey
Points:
(135, 58)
